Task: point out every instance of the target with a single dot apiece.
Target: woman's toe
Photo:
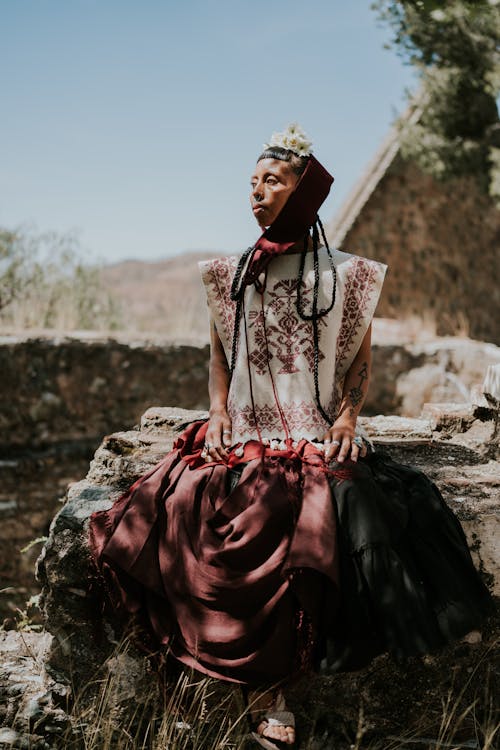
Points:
(277, 732)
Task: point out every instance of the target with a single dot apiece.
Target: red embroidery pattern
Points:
(290, 338)
(218, 279)
(300, 416)
(358, 291)
(258, 356)
(332, 407)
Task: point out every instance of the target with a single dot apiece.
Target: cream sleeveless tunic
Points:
(272, 394)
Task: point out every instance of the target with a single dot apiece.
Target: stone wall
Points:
(68, 390)
(440, 242)
(58, 397)
(59, 390)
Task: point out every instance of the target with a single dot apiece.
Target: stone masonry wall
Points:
(68, 390)
(58, 397)
(441, 243)
(71, 389)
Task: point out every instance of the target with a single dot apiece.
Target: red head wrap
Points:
(297, 215)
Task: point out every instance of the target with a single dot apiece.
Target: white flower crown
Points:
(292, 138)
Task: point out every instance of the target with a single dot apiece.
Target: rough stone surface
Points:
(407, 376)
(31, 488)
(68, 389)
(33, 705)
(440, 241)
(387, 699)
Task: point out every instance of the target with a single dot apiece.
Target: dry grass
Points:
(191, 711)
(200, 713)
(474, 725)
(184, 718)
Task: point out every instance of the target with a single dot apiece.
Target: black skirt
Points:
(408, 584)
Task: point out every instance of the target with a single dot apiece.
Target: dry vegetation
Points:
(46, 284)
(191, 712)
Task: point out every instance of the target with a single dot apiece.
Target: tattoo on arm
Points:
(356, 394)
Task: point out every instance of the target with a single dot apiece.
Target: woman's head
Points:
(275, 176)
(277, 172)
(288, 187)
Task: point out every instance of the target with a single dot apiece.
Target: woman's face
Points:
(272, 182)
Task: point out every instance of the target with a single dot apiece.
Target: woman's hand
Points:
(339, 441)
(218, 435)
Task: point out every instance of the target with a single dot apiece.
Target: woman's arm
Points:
(354, 393)
(219, 425)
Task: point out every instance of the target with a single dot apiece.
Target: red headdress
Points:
(299, 213)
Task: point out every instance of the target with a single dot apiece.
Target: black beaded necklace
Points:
(315, 314)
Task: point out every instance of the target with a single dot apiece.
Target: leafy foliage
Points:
(455, 47)
(12, 272)
(44, 283)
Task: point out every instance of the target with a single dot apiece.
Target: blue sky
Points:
(137, 124)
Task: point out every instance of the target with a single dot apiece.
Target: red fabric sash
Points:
(191, 443)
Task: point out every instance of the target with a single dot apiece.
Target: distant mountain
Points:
(162, 296)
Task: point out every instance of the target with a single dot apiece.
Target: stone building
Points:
(440, 241)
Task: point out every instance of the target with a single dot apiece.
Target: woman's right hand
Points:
(218, 435)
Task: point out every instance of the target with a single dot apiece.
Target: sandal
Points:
(277, 719)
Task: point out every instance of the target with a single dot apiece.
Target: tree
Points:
(13, 276)
(455, 45)
(44, 283)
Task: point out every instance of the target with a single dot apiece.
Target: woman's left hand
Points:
(339, 439)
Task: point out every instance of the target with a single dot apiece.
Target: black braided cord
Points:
(315, 314)
(237, 296)
(300, 306)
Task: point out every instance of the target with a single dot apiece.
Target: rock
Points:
(491, 385)
(449, 418)
(33, 705)
(71, 388)
(385, 699)
(31, 488)
(405, 376)
(390, 430)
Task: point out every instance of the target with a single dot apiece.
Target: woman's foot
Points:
(275, 729)
(277, 726)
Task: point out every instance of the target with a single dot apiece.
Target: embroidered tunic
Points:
(275, 356)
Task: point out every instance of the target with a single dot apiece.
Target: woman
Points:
(272, 539)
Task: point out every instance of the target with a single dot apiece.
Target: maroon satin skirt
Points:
(252, 570)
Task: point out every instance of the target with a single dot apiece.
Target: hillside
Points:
(163, 296)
